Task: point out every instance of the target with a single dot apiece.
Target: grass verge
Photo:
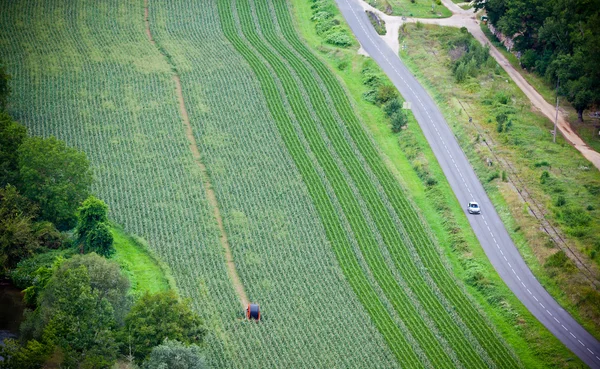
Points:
(588, 130)
(555, 175)
(405, 153)
(145, 272)
(410, 8)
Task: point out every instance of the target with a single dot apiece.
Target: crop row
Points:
(281, 254)
(416, 232)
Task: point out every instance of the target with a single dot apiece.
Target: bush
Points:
(529, 59)
(100, 241)
(385, 93)
(156, 317)
(399, 119)
(175, 355)
(544, 177)
(558, 260)
(560, 201)
(338, 38)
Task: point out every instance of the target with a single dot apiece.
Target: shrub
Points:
(174, 354)
(100, 241)
(385, 93)
(529, 59)
(560, 201)
(544, 177)
(399, 120)
(338, 38)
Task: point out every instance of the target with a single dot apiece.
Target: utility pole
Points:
(556, 118)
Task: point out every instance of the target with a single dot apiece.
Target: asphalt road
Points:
(488, 227)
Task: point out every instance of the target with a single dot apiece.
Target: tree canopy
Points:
(56, 177)
(175, 355)
(560, 40)
(12, 135)
(4, 87)
(156, 317)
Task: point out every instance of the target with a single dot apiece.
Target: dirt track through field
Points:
(467, 19)
(210, 193)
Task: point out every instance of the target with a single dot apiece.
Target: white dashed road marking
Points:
(460, 174)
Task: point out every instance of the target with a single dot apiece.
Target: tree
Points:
(17, 236)
(4, 87)
(78, 319)
(12, 135)
(100, 241)
(29, 356)
(79, 311)
(106, 279)
(94, 234)
(91, 212)
(54, 176)
(175, 355)
(156, 317)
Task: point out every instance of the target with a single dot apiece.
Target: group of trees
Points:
(54, 244)
(84, 318)
(559, 39)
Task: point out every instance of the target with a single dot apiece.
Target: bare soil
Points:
(208, 188)
(467, 19)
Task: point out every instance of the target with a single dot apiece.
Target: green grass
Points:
(145, 272)
(528, 147)
(534, 344)
(588, 130)
(408, 8)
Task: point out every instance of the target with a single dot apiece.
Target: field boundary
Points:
(208, 188)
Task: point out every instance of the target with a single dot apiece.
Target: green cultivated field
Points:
(323, 236)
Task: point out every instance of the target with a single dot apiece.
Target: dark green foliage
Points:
(467, 56)
(559, 39)
(30, 356)
(91, 212)
(544, 177)
(153, 318)
(529, 59)
(106, 279)
(94, 234)
(399, 119)
(54, 176)
(79, 310)
(78, 319)
(397, 116)
(100, 241)
(175, 355)
(18, 238)
(4, 88)
(12, 135)
(23, 275)
(560, 201)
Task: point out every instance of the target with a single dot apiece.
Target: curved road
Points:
(488, 227)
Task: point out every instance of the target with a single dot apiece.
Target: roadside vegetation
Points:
(510, 147)
(409, 154)
(588, 129)
(377, 22)
(412, 8)
(558, 44)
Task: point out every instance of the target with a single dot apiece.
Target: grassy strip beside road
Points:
(588, 130)
(410, 8)
(532, 341)
(554, 174)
